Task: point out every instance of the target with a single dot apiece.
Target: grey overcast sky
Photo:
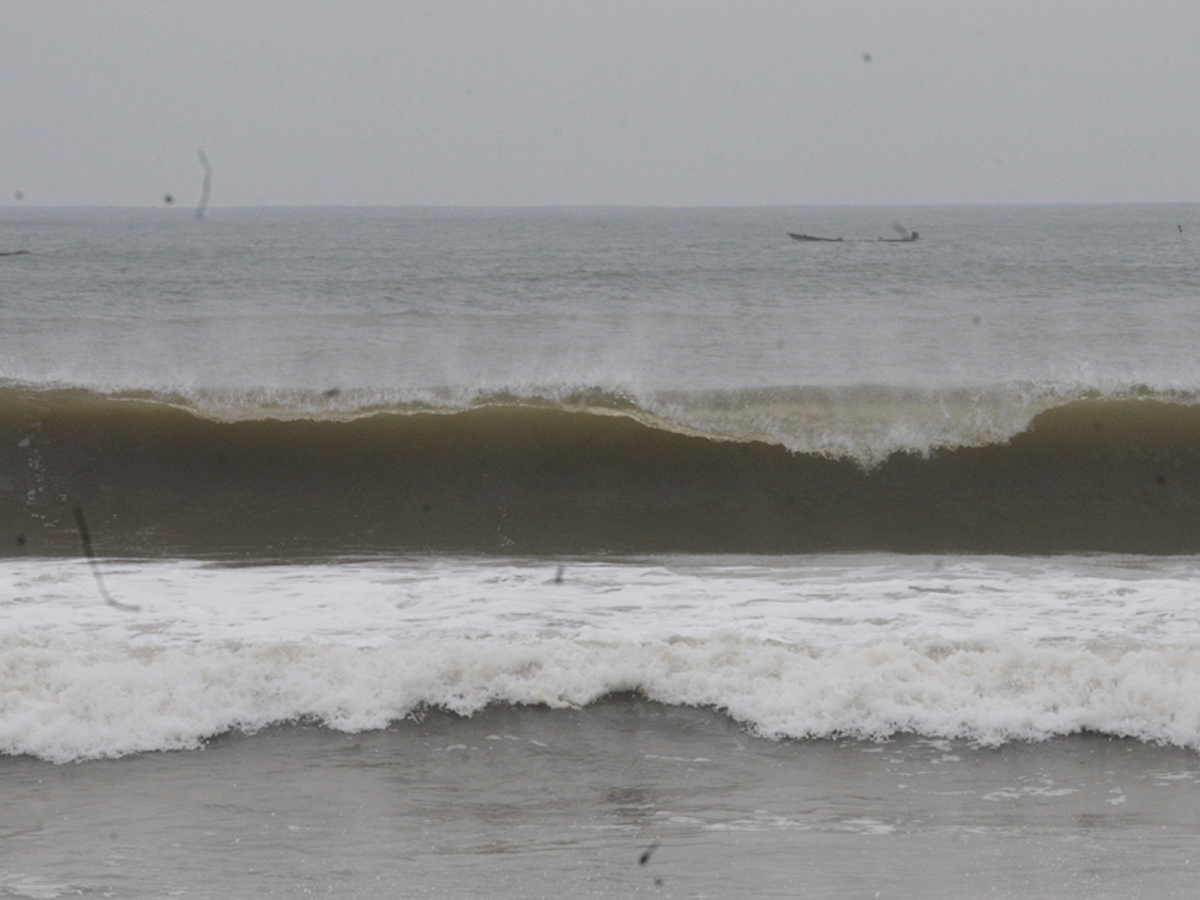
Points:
(639, 102)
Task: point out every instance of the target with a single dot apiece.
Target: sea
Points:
(600, 552)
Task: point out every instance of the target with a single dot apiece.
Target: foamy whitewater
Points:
(989, 649)
(484, 553)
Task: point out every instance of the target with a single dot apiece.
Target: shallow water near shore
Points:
(531, 802)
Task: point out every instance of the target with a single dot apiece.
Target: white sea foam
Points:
(992, 649)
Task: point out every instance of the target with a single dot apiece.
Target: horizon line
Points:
(180, 208)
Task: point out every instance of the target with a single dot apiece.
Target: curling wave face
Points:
(1006, 470)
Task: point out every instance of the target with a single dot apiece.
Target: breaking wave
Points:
(770, 471)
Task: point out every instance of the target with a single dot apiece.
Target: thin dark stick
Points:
(206, 188)
(86, 537)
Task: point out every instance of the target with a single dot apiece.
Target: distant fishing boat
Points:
(811, 237)
(907, 236)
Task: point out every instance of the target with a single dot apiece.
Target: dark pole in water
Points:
(86, 537)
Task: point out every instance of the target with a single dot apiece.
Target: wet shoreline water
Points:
(529, 802)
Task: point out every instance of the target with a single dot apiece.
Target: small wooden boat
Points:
(811, 237)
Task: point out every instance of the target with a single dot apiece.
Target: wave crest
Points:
(67, 699)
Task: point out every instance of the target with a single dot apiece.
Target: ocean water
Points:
(600, 553)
